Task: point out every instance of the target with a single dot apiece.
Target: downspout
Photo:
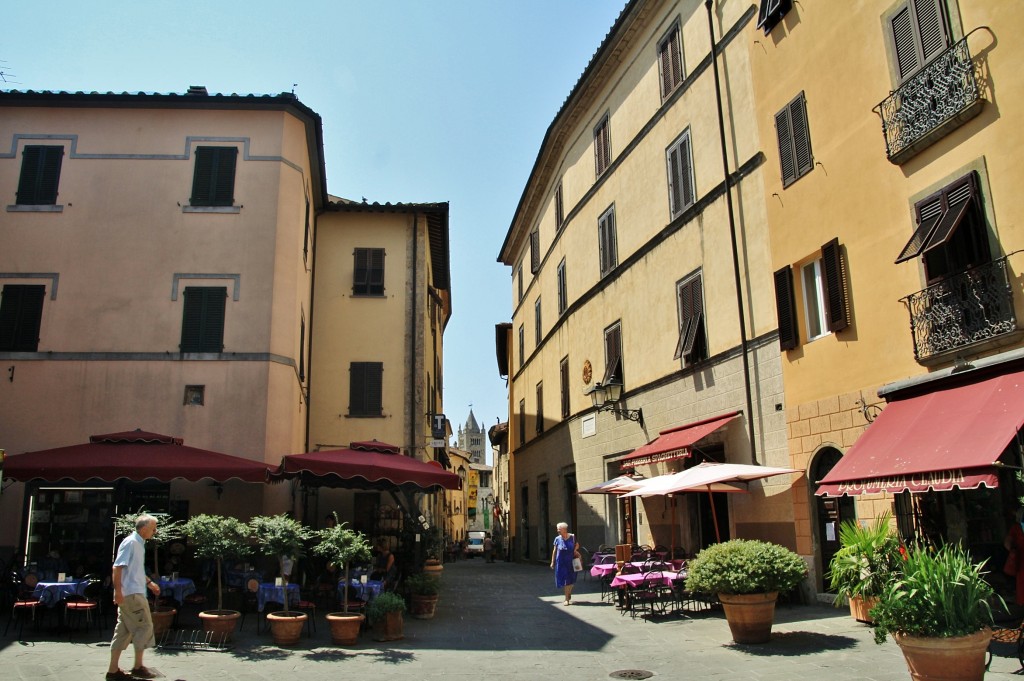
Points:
(412, 332)
(732, 235)
(312, 294)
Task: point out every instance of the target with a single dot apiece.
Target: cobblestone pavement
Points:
(506, 621)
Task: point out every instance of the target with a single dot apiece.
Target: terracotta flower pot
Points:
(391, 627)
(345, 627)
(944, 659)
(423, 607)
(286, 626)
(221, 623)
(162, 619)
(860, 608)
(750, 616)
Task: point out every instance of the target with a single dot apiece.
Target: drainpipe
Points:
(732, 235)
(413, 307)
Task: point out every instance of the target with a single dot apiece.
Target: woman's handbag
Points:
(577, 564)
(1010, 567)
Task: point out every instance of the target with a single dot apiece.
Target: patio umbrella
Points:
(622, 483)
(132, 455)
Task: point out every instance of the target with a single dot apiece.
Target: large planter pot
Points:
(860, 608)
(162, 619)
(220, 623)
(433, 568)
(944, 659)
(423, 607)
(750, 616)
(286, 626)
(345, 627)
(391, 627)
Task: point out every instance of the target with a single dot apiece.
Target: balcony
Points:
(967, 309)
(934, 102)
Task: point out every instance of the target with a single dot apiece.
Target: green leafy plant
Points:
(868, 558)
(218, 538)
(384, 603)
(280, 536)
(939, 593)
(421, 584)
(745, 566)
(342, 546)
(167, 530)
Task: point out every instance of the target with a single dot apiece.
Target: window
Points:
(814, 302)
(692, 343)
(607, 241)
(563, 381)
(537, 331)
(21, 312)
(213, 183)
(670, 61)
(40, 174)
(522, 345)
(366, 389)
(368, 279)
(540, 408)
(563, 295)
(559, 207)
(613, 355)
(522, 421)
(202, 325)
(602, 146)
(951, 233)
(794, 141)
(917, 33)
(826, 307)
(534, 251)
(771, 13)
(302, 348)
(786, 308)
(680, 175)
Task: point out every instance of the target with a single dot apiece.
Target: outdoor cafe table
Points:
(52, 593)
(605, 569)
(269, 592)
(365, 592)
(663, 577)
(178, 588)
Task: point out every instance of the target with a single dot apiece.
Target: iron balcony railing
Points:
(968, 308)
(939, 98)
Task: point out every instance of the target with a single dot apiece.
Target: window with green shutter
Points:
(202, 326)
(213, 183)
(40, 175)
(21, 312)
(794, 137)
(368, 278)
(366, 389)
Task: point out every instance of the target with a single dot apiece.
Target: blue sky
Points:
(421, 101)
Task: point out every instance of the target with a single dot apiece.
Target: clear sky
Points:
(422, 101)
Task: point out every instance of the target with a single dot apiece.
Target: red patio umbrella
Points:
(134, 455)
(368, 465)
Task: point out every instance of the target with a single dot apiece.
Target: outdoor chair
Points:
(25, 606)
(250, 602)
(643, 598)
(87, 605)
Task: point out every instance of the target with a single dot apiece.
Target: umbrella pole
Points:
(714, 515)
(672, 539)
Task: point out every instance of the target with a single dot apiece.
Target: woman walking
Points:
(563, 551)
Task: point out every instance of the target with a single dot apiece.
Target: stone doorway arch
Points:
(829, 513)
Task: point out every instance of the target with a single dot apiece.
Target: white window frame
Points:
(812, 282)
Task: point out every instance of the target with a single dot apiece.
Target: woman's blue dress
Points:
(564, 550)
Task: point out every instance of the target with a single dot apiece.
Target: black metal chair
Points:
(88, 605)
(25, 605)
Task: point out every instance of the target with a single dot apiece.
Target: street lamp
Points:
(606, 398)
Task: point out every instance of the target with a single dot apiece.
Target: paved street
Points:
(506, 621)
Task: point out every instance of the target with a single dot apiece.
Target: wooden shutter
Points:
(613, 354)
(931, 27)
(691, 314)
(534, 251)
(939, 215)
(787, 156)
(366, 388)
(213, 180)
(836, 310)
(794, 140)
(21, 314)
(680, 175)
(563, 379)
(40, 175)
(928, 213)
(540, 408)
(559, 207)
(670, 62)
(602, 146)
(785, 306)
(537, 328)
(202, 325)
(563, 291)
(606, 237)
(919, 34)
(368, 272)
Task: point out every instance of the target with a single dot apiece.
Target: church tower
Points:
(472, 438)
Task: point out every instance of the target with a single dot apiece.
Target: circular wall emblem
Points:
(588, 372)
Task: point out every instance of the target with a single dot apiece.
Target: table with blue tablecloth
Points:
(52, 593)
(356, 589)
(271, 593)
(177, 589)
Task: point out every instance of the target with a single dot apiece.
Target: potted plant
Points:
(938, 610)
(341, 546)
(284, 537)
(868, 558)
(385, 614)
(167, 529)
(218, 538)
(423, 595)
(435, 550)
(747, 575)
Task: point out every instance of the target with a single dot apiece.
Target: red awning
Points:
(944, 439)
(134, 455)
(675, 443)
(368, 465)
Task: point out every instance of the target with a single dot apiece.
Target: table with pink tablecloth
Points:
(663, 577)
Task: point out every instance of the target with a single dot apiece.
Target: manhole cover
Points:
(631, 674)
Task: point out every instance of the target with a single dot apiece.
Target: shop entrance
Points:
(830, 512)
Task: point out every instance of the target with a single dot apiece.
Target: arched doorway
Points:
(829, 512)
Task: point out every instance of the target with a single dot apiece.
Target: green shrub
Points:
(868, 559)
(218, 538)
(421, 584)
(939, 594)
(385, 602)
(745, 566)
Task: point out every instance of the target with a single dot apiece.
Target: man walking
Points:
(489, 547)
(134, 621)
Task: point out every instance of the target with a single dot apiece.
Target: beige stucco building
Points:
(624, 271)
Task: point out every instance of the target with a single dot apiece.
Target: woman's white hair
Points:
(561, 525)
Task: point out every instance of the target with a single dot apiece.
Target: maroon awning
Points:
(675, 443)
(132, 455)
(936, 441)
(368, 465)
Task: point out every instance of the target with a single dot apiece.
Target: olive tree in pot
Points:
(218, 538)
(341, 546)
(284, 537)
(869, 556)
(747, 575)
(939, 611)
(167, 529)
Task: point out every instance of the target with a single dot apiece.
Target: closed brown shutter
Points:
(40, 174)
(919, 34)
(785, 305)
(21, 314)
(787, 157)
(836, 311)
(794, 139)
(534, 252)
